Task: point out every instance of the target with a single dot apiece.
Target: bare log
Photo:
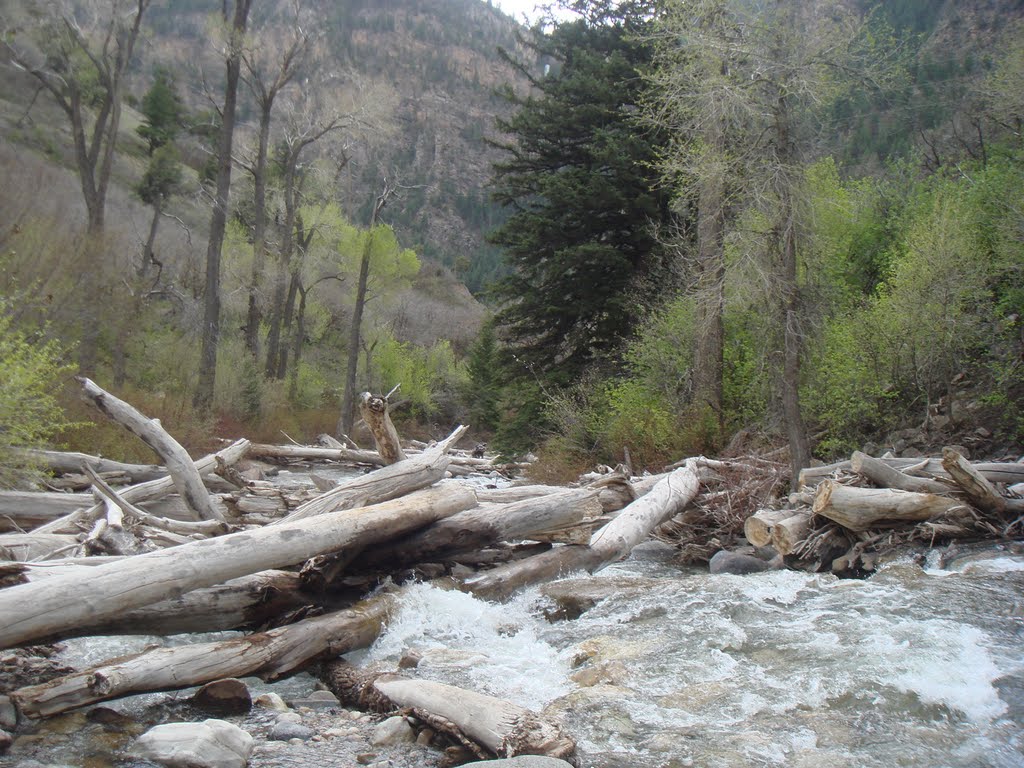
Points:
(374, 410)
(349, 455)
(1006, 473)
(503, 728)
(484, 525)
(148, 491)
(50, 607)
(976, 486)
(31, 546)
(789, 532)
(758, 527)
(269, 655)
(612, 542)
(70, 463)
(184, 474)
(383, 484)
(885, 475)
(859, 509)
(25, 510)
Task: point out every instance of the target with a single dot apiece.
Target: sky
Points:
(517, 8)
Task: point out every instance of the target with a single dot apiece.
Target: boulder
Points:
(8, 714)
(394, 730)
(725, 561)
(5, 741)
(285, 730)
(209, 744)
(271, 701)
(224, 697)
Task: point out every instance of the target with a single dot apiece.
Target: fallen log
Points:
(977, 487)
(50, 607)
(383, 484)
(183, 472)
(349, 455)
(758, 527)
(790, 531)
(26, 510)
(859, 509)
(612, 542)
(503, 728)
(374, 410)
(31, 546)
(71, 463)
(1006, 473)
(885, 475)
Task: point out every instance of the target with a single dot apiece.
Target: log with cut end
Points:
(859, 509)
(46, 608)
(375, 412)
(758, 527)
(503, 728)
(790, 531)
(976, 486)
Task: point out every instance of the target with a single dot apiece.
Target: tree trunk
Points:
(297, 341)
(859, 509)
(374, 411)
(259, 240)
(885, 476)
(352, 455)
(50, 607)
(203, 398)
(758, 527)
(790, 531)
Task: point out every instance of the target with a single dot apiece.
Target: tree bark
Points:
(885, 476)
(758, 527)
(859, 509)
(203, 398)
(46, 608)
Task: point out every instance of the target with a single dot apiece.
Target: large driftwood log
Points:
(30, 546)
(790, 531)
(977, 487)
(350, 455)
(183, 472)
(885, 475)
(25, 510)
(859, 509)
(374, 411)
(503, 728)
(383, 484)
(1006, 473)
(613, 542)
(484, 525)
(70, 463)
(46, 608)
(269, 655)
(148, 491)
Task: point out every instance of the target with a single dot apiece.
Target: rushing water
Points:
(911, 667)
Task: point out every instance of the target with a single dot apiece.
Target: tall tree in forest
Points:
(159, 183)
(267, 70)
(580, 182)
(81, 60)
(203, 398)
(162, 111)
(764, 69)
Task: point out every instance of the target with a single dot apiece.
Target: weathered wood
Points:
(26, 510)
(46, 608)
(976, 486)
(790, 531)
(383, 484)
(349, 455)
(71, 463)
(183, 472)
(1006, 473)
(270, 655)
(374, 411)
(503, 728)
(31, 546)
(148, 491)
(885, 475)
(758, 527)
(859, 509)
(614, 541)
(485, 525)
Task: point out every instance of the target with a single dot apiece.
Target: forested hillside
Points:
(704, 226)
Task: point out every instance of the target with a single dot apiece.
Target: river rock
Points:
(725, 561)
(209, 744)
(8, 714)
(5, 741)
(284, 730)
(394, 730)
(271, 701)
(229, 696)
(318, 700)
(522, 761)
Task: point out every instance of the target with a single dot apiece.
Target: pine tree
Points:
(163, 111)
(580, 182)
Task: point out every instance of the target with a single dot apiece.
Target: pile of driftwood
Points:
(194, 546)
(846, 513)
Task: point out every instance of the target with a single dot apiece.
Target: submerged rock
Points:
(737, 563)
(209, 744)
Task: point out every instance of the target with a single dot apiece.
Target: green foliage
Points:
(163, 111)
(429, 376)
(162, 178)
(483, 388)
(32, 372)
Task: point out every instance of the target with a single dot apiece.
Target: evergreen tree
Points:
(582, 189)
(163, 111)
(484, 390)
